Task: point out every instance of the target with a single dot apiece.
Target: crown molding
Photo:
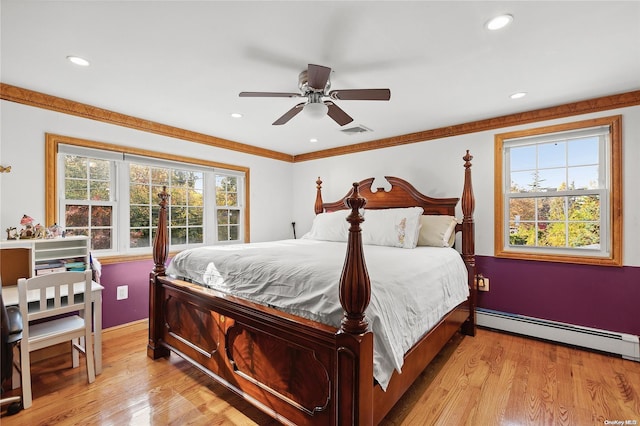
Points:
(576, 108)
(53, 103)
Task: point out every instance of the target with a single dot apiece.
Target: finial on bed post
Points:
(318, 206)
(468, 239)
(160, 242)
(355, 287)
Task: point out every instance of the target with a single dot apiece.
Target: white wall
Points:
(22, 139)
(436, 169)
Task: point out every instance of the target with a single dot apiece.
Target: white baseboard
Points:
(625, 345)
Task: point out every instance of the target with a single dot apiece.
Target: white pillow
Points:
(392, 227)
(437, 231)
(332, 226)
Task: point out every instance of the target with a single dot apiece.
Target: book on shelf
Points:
(49, 265)
(46, 271)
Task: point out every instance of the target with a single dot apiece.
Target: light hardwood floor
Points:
(490, 379)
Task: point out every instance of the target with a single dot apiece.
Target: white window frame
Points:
(609, 251)
(121, 157)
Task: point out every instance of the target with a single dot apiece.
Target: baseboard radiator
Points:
(626, 345)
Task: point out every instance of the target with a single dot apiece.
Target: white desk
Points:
(10, 297)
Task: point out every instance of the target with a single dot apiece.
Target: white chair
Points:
(59, 293)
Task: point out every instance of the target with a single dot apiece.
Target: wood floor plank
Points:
(490, 379)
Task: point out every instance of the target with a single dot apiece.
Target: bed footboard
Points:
(297, 370)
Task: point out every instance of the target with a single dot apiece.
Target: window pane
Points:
(101, 216)
(139, 216)
(178, 216)
(223, 233)
(223, 217)
(75, 167)
(99, 169)
(552, 179)
(100, 190)
(196, 198)
(234, 217)
(178, 235)
(583, 151)
(101, 239)
(139, 194)
(522, 209)
(585, 177)
(233, 233)
(584, 208)
(522, 234)
(139, 173)
(584, 235)
(159, 176)
(523, 158)
(76, 215)
(75, 189)
(196, 216)
(551, 208)
(551, 234)
(139, 238)
(196, 235)
(178, 196)
(552, 155)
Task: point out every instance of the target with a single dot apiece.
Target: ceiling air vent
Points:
(356, 130)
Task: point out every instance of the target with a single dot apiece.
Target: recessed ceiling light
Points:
(236, 115)
(499, 22)
(313, 140)
(518, 95)
(78, 61)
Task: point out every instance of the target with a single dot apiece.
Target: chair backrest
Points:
(54, 294)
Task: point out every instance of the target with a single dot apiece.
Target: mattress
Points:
(411, 289)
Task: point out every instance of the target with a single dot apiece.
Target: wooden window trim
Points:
(615, 213)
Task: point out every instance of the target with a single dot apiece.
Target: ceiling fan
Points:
(314, 84)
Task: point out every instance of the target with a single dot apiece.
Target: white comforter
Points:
(411, 289)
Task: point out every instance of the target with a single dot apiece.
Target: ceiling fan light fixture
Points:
(499, 22)
(316, 109)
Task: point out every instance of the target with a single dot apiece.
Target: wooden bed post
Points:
(160, 254)
(468, 243)
(318, 206)
(354, 340)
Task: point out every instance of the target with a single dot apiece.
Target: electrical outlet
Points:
(123, 292)
(482, 282)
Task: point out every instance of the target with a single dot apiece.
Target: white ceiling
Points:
(183, 63)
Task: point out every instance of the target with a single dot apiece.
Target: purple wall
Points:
(603, 297)
(136, 307)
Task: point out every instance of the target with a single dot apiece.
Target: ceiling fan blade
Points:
(289, 114)
(269, 95)
(361, 95)
(337, 114)
(317, 76)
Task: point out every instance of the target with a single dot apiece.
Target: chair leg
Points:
(16, 368)
(25, 368)
(88, 353)
(75, 355)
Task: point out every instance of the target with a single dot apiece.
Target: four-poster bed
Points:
(299, 370)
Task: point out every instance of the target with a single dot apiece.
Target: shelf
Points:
(55, 251)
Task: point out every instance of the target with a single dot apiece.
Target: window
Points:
(558, 193)
(111, 195)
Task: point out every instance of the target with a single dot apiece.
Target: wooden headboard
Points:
(401, 194)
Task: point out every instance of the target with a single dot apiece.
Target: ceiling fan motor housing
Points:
(303, 84)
